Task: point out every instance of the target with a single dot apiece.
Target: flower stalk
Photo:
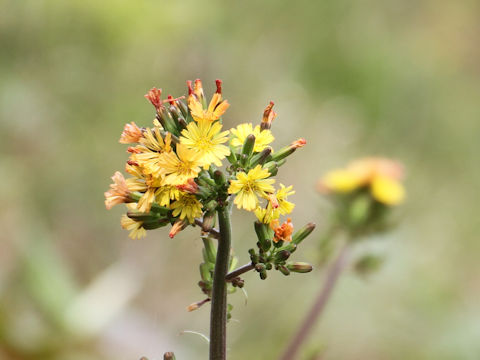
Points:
(319, 305)
(218, 314)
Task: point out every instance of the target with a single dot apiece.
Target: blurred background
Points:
(355, 78)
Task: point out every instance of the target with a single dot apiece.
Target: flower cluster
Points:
(364, 192)
(174, 167)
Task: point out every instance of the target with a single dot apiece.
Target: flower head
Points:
(248, 187)
(262, 137)
(119, 192)
(153, 96)
(382, 176)
(277, 205)
(216, 108)
(131, 134)
(180, 166)
(205, 138)
(136, 229)
(187, 206)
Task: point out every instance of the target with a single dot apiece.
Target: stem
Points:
(319, 305)
(242, 269)
(218, 315)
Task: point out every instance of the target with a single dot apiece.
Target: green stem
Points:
(218, 315)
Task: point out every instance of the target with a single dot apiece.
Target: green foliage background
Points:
(355, 78)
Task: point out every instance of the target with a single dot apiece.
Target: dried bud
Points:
(283, 232)
(154, 97)
(268, 116)
(284, 270)
(282, 255)
(177, 227)
(131, 134)
(118, 193)
(190, 186)
(198, 91)
(300, 267)
(298, 143)
(261, 157)
(196, 305)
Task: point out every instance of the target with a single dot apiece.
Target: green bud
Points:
(155, 224)
(289, 247)
(211, 205)
(278, 244)
(300, 267)
(283, 153)
(183, 108)
(248, 145)
(182, 122)
(282, 256)
(301, 234)
(262, 231)
(219, 177)
(251, 252)
(284, 270)
(270, 166)
(167, 121)
(266, 245)
(268, 266)
(263, 275)
(359, 210)
(260, 157)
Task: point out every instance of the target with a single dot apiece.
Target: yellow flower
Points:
(205, 138)
(165, 194)
(341, 181)
(277, 205)
(135, 227)
(262, 137)
(145, 202)
(180, 166)
(187, 206)
(387, 190)
(216, 108)
(147, 155)
(382, 176)
(248, 187)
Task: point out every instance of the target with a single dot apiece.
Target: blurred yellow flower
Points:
(205, 138)
(248, 187)
(262, 137)
(381, 175)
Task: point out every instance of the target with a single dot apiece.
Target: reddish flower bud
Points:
(298, 143)
(154, 97)
(268, 116)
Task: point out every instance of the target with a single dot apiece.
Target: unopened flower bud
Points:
(219, 177)
(288, 150)
(300, 267)
(282, 255)
(248, 146)
(268, 116)
(301, 234)
(284, 270)
(261, 157)
(153, 96)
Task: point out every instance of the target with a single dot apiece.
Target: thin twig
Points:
(236, 273)
(214, 232)
(319, 305)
